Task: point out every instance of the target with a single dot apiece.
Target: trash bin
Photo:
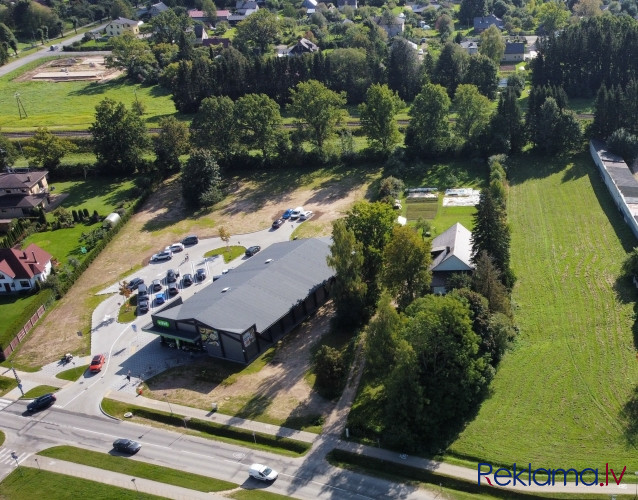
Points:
(214, 406)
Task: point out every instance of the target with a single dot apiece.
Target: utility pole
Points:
(21, 109)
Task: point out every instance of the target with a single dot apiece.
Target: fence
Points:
(22, 333)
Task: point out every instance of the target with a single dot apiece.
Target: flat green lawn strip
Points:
(73, 374)
(559, 397)
(38, 391)
(230, 253)
(256, 495)
(448, 216)
(28, 483)
(7, 384)
(138, 469)
(128, 310)
(2, 438)
(71, 105)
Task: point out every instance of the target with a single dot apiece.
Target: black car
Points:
(173, 289)
(190, 240)
(187, 280)
(156, 286)
(171, 276)
(200, 275)
(134, 283)
(250, 251)
(126, 446)
(278, 223)
(42, 402)
(142, 305)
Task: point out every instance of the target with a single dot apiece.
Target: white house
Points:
(451, 253)
(122, 25)
(20, 269)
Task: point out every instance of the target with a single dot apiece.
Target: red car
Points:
(97, 363)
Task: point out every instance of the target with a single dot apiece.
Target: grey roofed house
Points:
(514, 51)
(22, 192)
(470, 46)
(303, 46)
(483, 23)
(451, 253)
(245, 311)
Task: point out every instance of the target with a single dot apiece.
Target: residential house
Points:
(469, 46)
(122, 25)
(223, 15)
(199, 15)
(309, 5)
(341, 4)
(246, 7)
(451, 254)
(21, 269)
(200, 34)
(21, 194)
(482, 23)
(303, 46)
(157, 8)
(393, 26)
(514, 52)
(216, 40)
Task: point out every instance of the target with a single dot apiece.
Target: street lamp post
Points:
(136, 490)
(169, 403)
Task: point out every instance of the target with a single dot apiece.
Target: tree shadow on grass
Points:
(97, 88)
(629, 417)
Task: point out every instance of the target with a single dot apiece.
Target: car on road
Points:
(165, 255)
(306, 215)
(156, 286)
(126, 446)
(262, 472)
(41, 403)
(173, 289)
(250, 251)
(176, 247)
(134, 283)
(200, 274)
(187, 280)
(296, 213)
(160, 299)
(190, 240)
(172, 275)
(97, 363)
(142, 305)
(287, 214)
(278, 223)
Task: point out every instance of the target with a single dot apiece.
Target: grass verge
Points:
(138, 469)
(256, 495)
(210, 430)
(2, 438)
(455, 488)
(230, 253)
(128, 310)
(31, 483)
(73, 374)
(7, 384)
(38, 391)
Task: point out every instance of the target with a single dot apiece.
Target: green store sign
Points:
(164, 323)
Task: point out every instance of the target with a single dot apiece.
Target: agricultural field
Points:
(70, 105)
(566, 395)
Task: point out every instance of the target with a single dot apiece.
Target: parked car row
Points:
(167, 253)
(292, 214)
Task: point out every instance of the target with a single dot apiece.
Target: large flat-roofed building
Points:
(247, 310)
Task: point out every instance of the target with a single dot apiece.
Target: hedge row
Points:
(221, 430)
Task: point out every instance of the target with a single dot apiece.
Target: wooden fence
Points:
(22, 333)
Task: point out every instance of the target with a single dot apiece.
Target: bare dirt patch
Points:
(253, 205)
(277, 393)
(72, 68)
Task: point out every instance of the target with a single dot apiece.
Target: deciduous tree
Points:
(472, 114)
(171, 142)
(404, 69)
(47, 150)
(428, 132)
(382, 337)
(378, 117)
(257, 31)
(259, 122)
(201, 180)
(492, 44)
(215, 128)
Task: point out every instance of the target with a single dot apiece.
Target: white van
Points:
(296, 213)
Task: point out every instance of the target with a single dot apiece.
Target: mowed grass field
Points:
(71, 105)
(560, 396)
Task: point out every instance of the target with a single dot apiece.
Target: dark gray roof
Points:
(21, 200)
(455, 241)
(259, 292)
(21, 180)
(619, 172)
(514, 48)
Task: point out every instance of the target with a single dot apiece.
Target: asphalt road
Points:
(306, 478)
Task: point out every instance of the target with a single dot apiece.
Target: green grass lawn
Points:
(38, 391)
(566, 395)
(138, 469)
(11, 309)
(71, 105)
(6, 384)
(230, 253)
(420, 208)
(27, 483)
(73, 374)
(98, 194)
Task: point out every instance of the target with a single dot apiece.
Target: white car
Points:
(296, 213)
(165, 255)
(262, 472)
(176, 247)
(306, 215)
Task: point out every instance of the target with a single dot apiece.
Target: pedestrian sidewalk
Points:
(213, 416)
(125, 481)
(45, 376)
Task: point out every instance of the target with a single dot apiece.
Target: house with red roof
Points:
(20, 269)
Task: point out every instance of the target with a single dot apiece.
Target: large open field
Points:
(561, 396)
(71, 105)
